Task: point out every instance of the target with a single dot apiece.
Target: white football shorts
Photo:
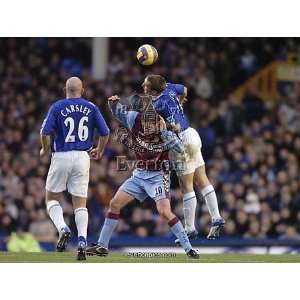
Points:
(69, 171)
(192, 157)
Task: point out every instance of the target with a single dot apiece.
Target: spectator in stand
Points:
(252, 152)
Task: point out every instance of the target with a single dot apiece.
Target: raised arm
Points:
(183, 97)
(127, 118)
(181, 91)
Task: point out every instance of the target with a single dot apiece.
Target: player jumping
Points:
(167, 102)
(70, 123)
(148, 138)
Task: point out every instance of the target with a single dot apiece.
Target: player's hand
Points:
(114, 98)
(94, 154)
(42, 152)
(176, 128)
(183, 100)
(162, 124)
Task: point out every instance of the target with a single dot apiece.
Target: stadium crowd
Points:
(252, 150)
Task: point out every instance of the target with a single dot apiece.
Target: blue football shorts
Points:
(144, 183)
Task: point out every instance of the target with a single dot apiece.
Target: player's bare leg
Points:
(201, 181)
(81, 220)
(164, 209)
(55, 213)
(120, 200)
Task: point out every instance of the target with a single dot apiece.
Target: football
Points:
(147, 55)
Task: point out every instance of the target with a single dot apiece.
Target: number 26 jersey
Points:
(71, 123)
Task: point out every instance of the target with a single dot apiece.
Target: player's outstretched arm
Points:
(127, 118)
(180, 89)
(183, 98)
(182, 92)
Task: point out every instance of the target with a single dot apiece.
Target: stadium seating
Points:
(251, 149)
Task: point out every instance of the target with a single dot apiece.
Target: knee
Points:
(186, 186)
(165, 211)
(201, 181)
(161, 210)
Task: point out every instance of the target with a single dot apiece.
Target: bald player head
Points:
(74, 87)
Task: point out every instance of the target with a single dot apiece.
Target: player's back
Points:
(169, 107)
(173, 90)
(72, 123)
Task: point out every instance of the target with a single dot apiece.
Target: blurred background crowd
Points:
(251, 149)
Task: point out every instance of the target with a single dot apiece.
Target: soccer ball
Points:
(147, 55)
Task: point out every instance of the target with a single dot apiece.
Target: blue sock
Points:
(108, 228)
(178, 230)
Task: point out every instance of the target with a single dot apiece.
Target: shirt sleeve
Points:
(127, 118)
(100, 123)
(172, 141)
(178, 88)
(48, 126)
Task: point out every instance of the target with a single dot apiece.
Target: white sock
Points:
(210, 197)
(56, 214)
(81, 220)
(189, 210)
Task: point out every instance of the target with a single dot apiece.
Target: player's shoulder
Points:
(161, 98)
(165, 97)
(54, 105)
(170, 88)
(170, 85)
(173, 86)
(58, 102)
(173, 89)
(89, 103)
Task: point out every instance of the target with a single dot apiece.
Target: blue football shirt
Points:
(169, 107)
(71, 123)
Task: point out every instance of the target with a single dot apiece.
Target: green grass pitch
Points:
(69, 257)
